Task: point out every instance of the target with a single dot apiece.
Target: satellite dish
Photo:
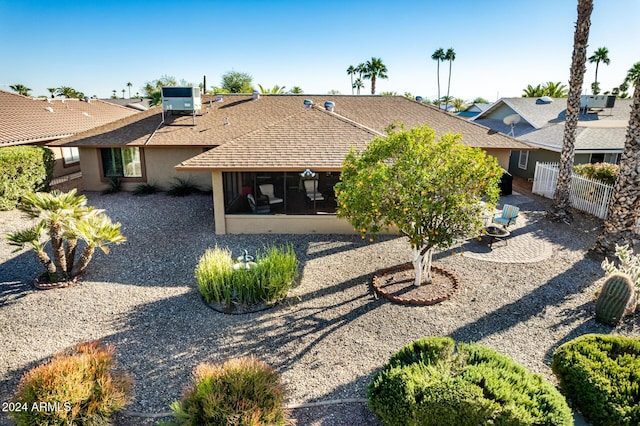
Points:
(511, 120)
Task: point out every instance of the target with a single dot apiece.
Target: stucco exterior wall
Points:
(502, 155)
(60, 169)
(285, 224)
(159, 163)
(541, 155)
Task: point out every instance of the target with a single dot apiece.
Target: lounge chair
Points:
(311, 187)
(508, 216)
(258, 208)
(267, 189)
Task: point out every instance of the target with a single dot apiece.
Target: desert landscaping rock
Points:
(330, 335)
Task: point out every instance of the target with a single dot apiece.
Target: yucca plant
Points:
(183, 187)
(145, 189)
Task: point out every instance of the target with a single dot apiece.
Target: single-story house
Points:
(40, 121)
(539, 122)
(473, 110)
(270, 160)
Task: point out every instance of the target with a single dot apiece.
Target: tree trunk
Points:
(70, 252)
(561, 207)
(83, 261)
(621, 225)
(422, 265)
(46, 261)
(446, 105)
(57, 247)
(373, 85)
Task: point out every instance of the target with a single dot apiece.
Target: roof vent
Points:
(49, 109)
(256, 95)
(219, 98)
(418, 98)
(329, 106)
(544, 100)
(308, 103)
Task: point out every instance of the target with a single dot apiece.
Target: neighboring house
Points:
(540, 122)
(253, 153)
(473, 110)
(40, 121)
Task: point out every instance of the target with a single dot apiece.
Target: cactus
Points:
(616, 295)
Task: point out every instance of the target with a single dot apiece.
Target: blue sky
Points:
(501, 46)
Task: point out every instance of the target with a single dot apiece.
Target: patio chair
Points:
(313, 194)
(508, 216)
(267, 189)
(258, 208)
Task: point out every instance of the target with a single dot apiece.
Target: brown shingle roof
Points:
(26, 120)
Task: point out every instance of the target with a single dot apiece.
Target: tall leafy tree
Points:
(450, 56)
(52, 91)
(69, 92)
(550, 88)
(374, 69)
(600, 55)
(358, 84)
(428, 189)
(129, 84)
(20, 89)
(351, 71)
(237, 82)
(561, 206)
(438, 56)
(633, 74)
(621, 226)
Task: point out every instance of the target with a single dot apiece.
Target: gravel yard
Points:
(327, 339)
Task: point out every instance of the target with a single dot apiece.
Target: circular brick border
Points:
(416, 302)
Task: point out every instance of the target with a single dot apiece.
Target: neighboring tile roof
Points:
(543, 124)
(25, 120)
(280, 119)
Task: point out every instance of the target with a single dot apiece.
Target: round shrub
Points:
(600, 375)
(267, 281)
(80, 386)
(434, 381)
(241, 391)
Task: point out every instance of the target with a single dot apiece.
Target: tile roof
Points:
(279, 119)
(26, 120)
(543, 124)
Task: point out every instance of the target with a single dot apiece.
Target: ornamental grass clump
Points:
(242, 391)
(436, 381)
(600, 375)
(77, 387)
(223, 281)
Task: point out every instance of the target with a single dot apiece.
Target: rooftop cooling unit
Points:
(181, 99)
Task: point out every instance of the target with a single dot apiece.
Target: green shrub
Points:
(145, 189)
(80, 387)
(242, 391)
(183, 187)
(23, 169)
(434, 381)
(604, 172)
(268, 281)
(115, 186)
(600, 375)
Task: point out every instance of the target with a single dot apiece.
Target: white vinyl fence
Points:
(588, 195)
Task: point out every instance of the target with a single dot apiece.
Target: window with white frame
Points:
(523, 160)
(71, 155)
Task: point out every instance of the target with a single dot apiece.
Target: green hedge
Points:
(23, 169)
(600, 375)
(434, 381)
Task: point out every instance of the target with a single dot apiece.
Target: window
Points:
(596, 158)
(523, 160)
(121, 162)
(70, 155)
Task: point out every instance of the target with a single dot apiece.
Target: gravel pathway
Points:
(327, 340)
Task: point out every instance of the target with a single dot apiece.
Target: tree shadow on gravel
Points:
(554, 292)
(17, 275)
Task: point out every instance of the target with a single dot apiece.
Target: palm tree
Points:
(129, 84)
(123, 93)
(633, 74)
(555, 90)
(20, 89)
(351, 71)
(620, 226)
(296, 90)
(358, 84)
(97, 231)
(114, 96)
(52, 90)
(438, 56)
(373, 70)
(600, 55)
(68, 92)
(56, 210)
(449, 56)
(561, 206)
(34, 237)
(458, 104)
(533, 92)
(274, 90)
